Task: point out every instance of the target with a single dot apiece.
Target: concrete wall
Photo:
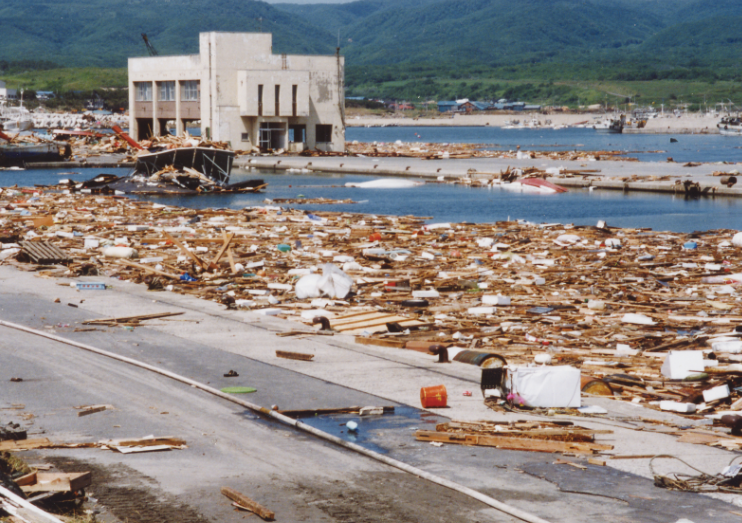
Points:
(230, 66)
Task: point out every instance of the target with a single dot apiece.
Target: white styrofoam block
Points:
(547, 386)
(426, 294)
(490, 299)
(270, 312)
(733, 347)
(716, 393)
(674, 406)
(478, 311)
(678, 365)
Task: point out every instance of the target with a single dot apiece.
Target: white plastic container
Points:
(732, 347)
(426, 294)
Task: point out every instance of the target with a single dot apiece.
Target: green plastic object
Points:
(238, 390)
(284, 247)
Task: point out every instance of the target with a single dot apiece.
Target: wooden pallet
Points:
(372, 322)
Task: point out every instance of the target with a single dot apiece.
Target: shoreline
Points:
(666, 124)
(618, 175)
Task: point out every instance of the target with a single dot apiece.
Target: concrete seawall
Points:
(614, 175)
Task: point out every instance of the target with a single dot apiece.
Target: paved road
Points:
(301, 478)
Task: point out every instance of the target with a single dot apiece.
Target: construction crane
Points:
(150, 47)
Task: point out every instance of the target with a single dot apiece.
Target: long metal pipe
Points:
(487, 500)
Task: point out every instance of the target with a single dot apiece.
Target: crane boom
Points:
(150, 47)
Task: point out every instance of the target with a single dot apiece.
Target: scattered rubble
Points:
(646, 317)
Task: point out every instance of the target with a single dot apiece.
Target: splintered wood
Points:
(611, 302)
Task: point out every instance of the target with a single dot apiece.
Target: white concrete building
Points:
(7, 94)
(242, 93)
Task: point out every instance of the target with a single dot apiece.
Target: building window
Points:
(294, 96)
(144, 91)
(323, 133)
(191, 91)
(245, 137)
(277, 99)
(260, 100)
(167, 91)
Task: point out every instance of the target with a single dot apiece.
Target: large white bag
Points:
(547, 386)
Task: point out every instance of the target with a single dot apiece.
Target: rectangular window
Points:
(167, 91)
(323, 133)
(191, 91)
(260, 100)
(245, 137)
(277, 99)
(144, 91)
(294, 96)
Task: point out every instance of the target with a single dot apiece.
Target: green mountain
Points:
(104, 33)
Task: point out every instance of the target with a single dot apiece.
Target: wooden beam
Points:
(185, 251)
(126, 319)
(149, 269)
(294, 355)
(248, 504)
(504, 442)
(227, 241)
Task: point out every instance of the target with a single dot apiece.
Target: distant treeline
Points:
(18, 66)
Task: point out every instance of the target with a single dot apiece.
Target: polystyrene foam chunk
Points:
(678, 365)
(674, 406)
(717, 393)
(496, 300)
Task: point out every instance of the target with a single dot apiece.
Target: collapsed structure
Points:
(241, 93)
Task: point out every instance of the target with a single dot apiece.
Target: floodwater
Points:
(454, 203)
(645, 147)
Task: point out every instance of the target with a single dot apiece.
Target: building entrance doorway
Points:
(272, 135)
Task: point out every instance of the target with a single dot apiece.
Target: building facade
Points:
(7, 94)
(241, 93)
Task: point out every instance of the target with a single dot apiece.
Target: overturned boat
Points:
(213, 163)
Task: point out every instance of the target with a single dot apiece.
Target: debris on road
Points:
(243, 502)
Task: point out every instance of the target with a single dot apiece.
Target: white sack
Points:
(547, 386)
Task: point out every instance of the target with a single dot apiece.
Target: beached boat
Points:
(609, 124)
(23, 153)
(15, 119)
(730, 126)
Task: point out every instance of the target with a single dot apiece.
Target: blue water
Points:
(689, 147)
(455, 203)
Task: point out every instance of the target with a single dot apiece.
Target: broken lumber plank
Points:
(126, 319)
(249, 504)
(185, 251)
(24, 510)
(294, 355)
(396, 344)
(149, 269)
(227, 241)
(58, 482)
(535, 445)
(92, 410)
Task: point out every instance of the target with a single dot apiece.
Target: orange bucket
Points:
(433, 396)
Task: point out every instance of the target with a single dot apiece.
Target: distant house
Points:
(447, 107)
(7, 94)
(44, 95)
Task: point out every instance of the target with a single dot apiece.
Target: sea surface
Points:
(645, 147)
(449, 203)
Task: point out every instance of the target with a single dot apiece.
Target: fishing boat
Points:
(15, 119)
(23, 153)
(730, 126)
(609, 124)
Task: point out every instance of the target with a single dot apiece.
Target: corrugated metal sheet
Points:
(44, 253)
